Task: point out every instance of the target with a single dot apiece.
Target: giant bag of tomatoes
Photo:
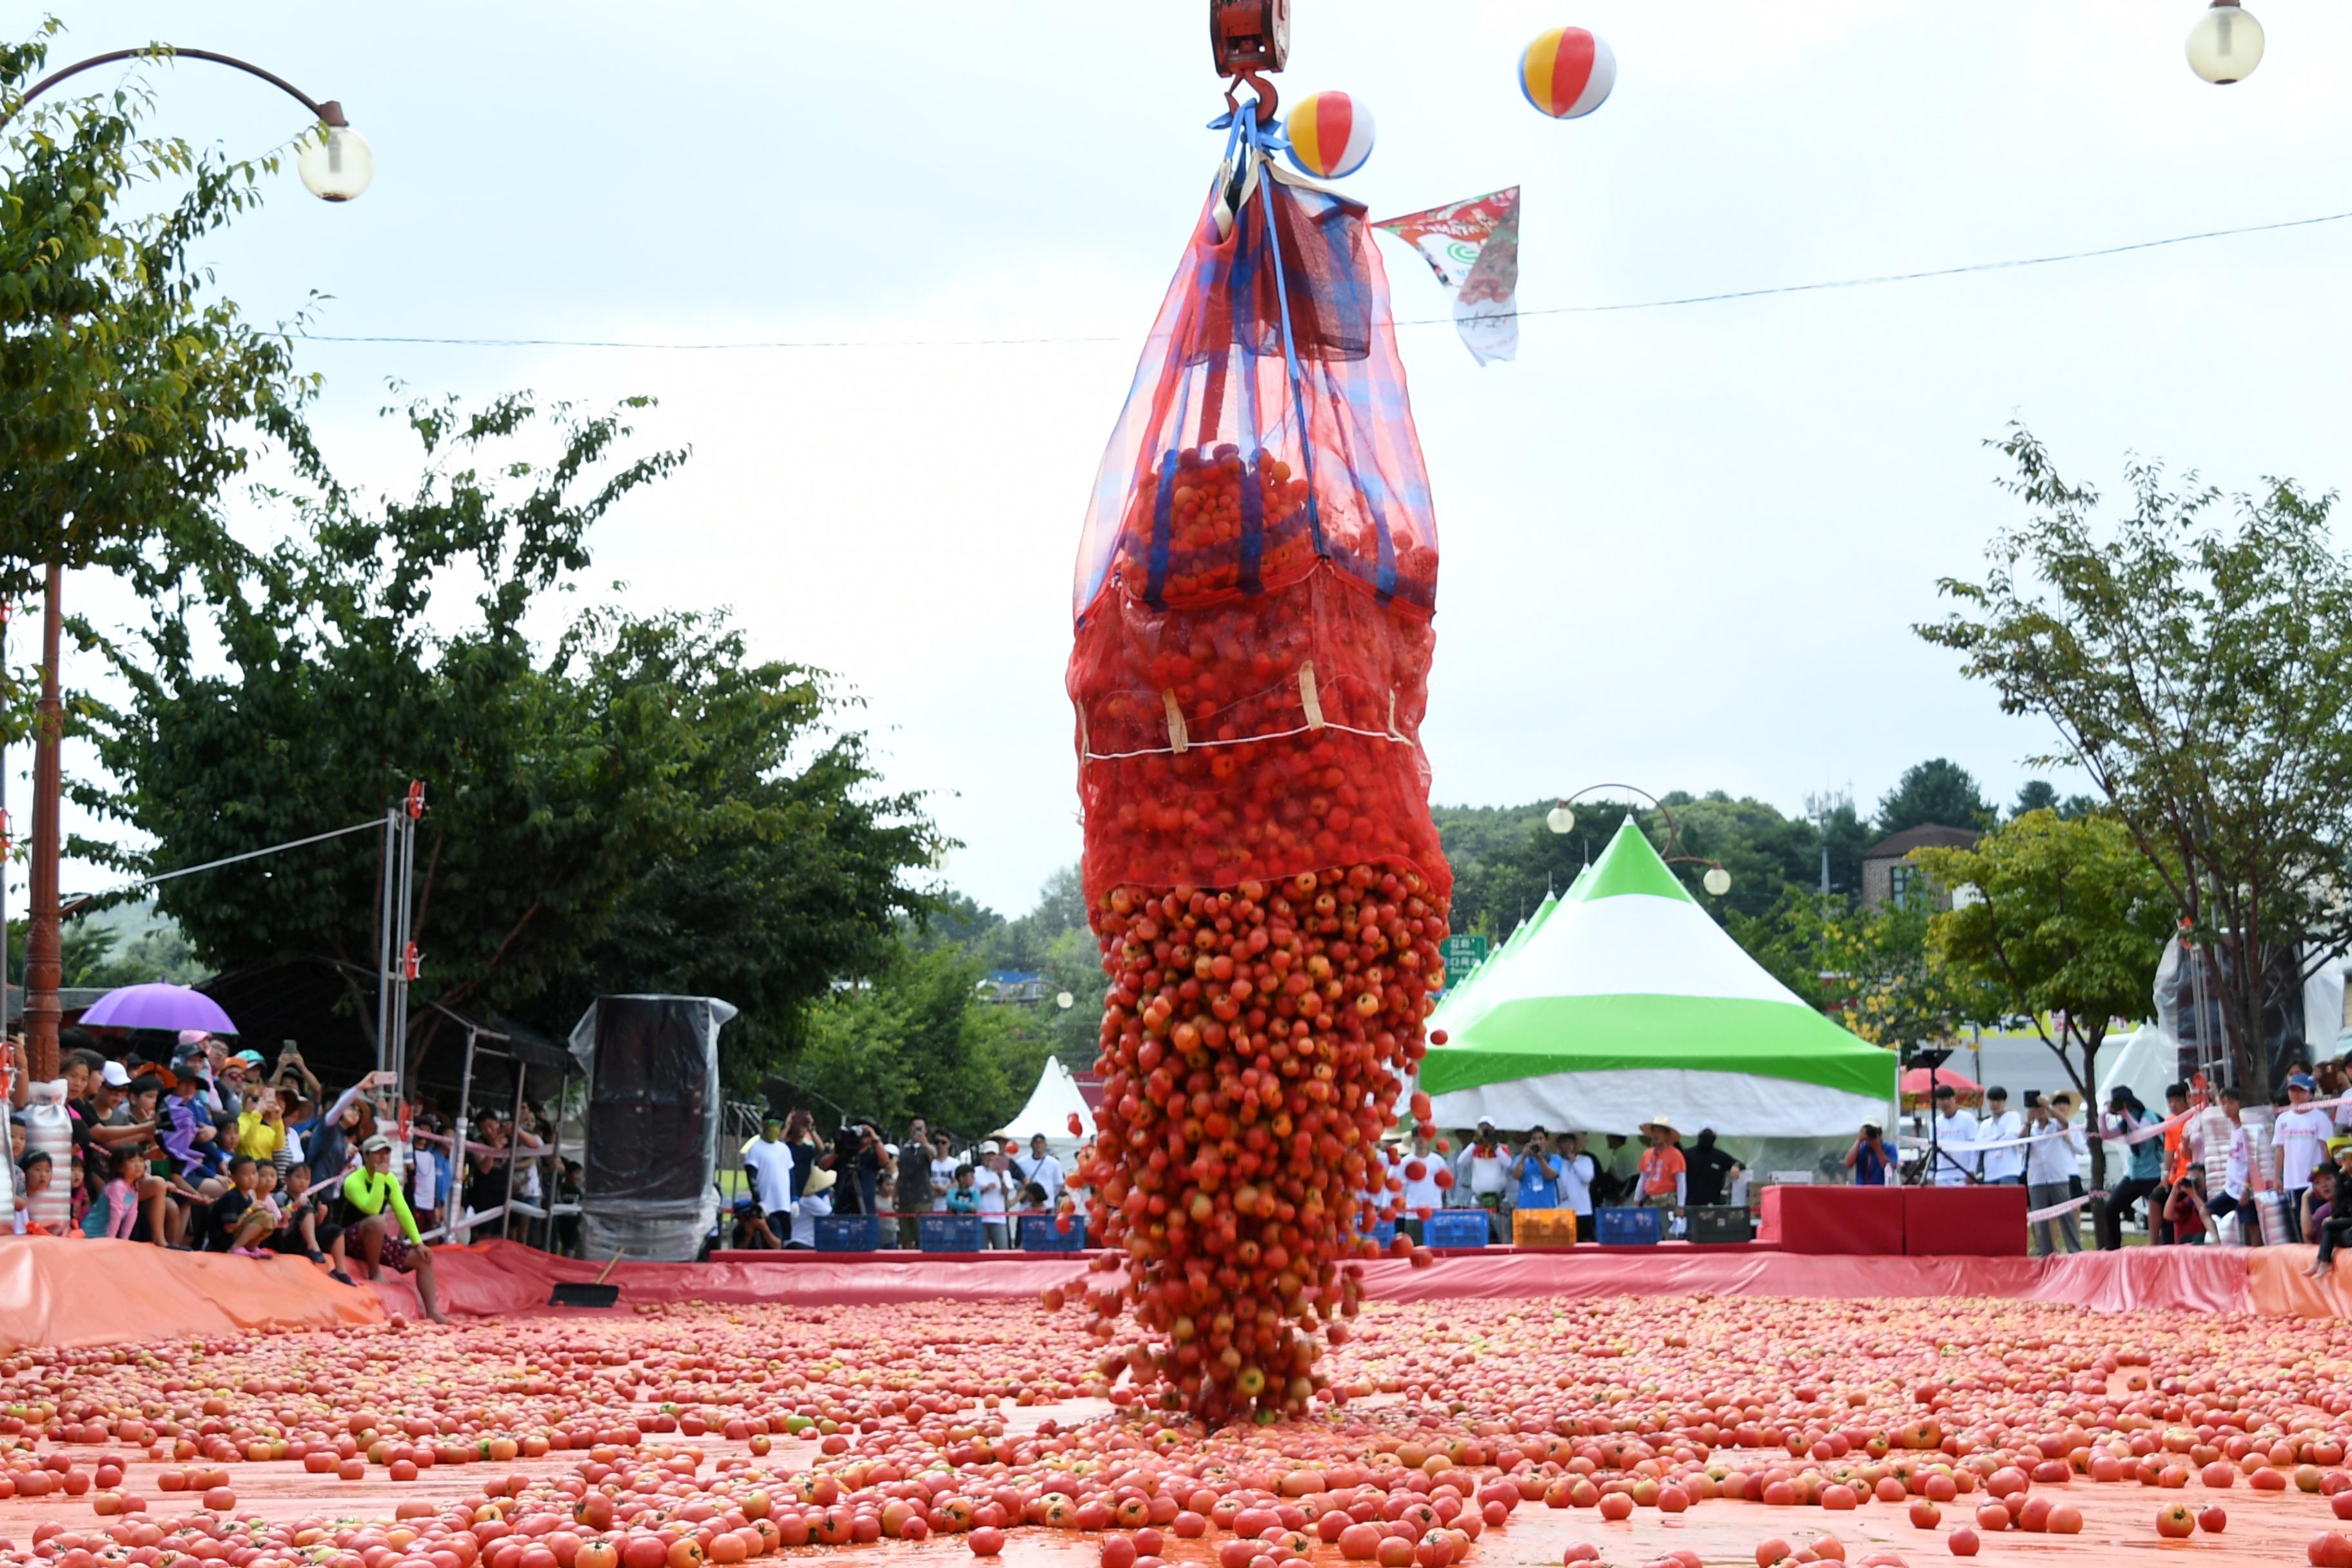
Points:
(1254, 590)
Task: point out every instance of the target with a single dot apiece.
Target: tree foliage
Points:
(1937, 790)
(640, 805)
(128, 393)
(2067, 921)
(2198, 669)
(912, 1042)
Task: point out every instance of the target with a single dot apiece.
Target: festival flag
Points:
(1474, 248)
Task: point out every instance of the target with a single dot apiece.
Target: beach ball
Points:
(1330, 135)
(1567, 72)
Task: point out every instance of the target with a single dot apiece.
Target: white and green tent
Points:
(1629, 1003)
(1460, 1004)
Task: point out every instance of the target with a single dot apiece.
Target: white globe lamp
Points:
(2226, 44)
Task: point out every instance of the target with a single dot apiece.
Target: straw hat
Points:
(1660, 1120)
(819, 1179)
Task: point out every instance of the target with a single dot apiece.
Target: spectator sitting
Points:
(260, 1220)
(372, 1200)
(814, 1203)
(2184, 1208)
(227, 1209)
(304, 1226)
(964, 1198)
(2331, 1222)
(2318, 1201)
(2302, 1132)
(261, 1126)
(1033, 1206)
(187, 1133)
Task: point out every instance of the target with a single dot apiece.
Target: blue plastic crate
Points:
(951, 1233)
(1384, 1232)
(1039, 1234)
(1457, 1228)
(1628, 1227)
(848, 1233)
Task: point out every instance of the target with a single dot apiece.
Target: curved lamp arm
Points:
(1673, 830)
(330, 113)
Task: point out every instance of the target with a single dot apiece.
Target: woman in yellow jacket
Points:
(372, 1198)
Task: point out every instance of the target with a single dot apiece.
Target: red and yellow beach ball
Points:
(1567, 72)
(1330, 135)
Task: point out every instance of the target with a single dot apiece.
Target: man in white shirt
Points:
(1422, 1194)
(992, 1185)
(2052, 1161)
(1578, 1171)
(2301, 1131)
(1956, 1136)
(1042, 1168)
(2002, 1167)
(767, 1163)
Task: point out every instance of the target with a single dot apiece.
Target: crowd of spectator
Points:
(2164, 1162)
(794, 1177)
(1544, 1171)
(216, 1148)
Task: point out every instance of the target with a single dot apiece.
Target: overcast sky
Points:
(1682, 548)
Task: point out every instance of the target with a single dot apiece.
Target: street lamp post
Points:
(1560, 818)
(335, 164)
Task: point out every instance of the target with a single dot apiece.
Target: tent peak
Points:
(1630, 866)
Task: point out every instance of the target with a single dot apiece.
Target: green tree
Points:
(1871, 969)
(2038, 794)
(913, 1042)
(1937, 790)
(2198, 671)
(128, 395)
(644, 803)
(2065, 920)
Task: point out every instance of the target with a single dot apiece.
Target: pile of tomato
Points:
(1254, 1042)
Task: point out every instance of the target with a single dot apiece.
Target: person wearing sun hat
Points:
(1666, 1174)
(2301, 1132)
(814, 1203)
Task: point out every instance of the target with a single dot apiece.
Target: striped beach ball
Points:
(1330, 135)
(1567, 72)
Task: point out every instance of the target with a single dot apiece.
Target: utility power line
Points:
(1874, 280)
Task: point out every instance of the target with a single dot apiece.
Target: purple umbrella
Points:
(159, 1006)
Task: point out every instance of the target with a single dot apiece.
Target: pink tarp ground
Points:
(496, 1278)
(76, 1291)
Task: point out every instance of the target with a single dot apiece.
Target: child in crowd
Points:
(123, 1194)
(228, 1207)
(964, 1198)
(261, 1217)
(304, 1226)
(33, 1179)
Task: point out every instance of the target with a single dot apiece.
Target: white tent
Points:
(1051, 1105)
(1628, 1002)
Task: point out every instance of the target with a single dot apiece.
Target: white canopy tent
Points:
(1051, 1105)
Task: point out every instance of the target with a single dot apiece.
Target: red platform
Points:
(1817, 1221)
(1964, 1222)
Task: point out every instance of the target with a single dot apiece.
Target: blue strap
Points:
(1162, 505)
(1289, 348)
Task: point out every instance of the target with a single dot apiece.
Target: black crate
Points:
(1721, 1223)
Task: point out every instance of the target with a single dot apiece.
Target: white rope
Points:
(1247, 741)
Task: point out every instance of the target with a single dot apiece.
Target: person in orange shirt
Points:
(1663, 1170)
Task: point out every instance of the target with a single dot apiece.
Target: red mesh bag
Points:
(1254, 590)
